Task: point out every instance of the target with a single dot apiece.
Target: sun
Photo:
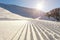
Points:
(39, 6)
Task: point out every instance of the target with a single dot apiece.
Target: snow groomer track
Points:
(29, 30)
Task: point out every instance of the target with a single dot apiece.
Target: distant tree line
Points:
(55, 13)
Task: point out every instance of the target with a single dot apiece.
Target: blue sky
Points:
(48, 4)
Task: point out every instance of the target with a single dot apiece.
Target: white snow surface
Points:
(5, 14)
(29, 30)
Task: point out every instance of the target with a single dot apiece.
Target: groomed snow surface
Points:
(29, 30)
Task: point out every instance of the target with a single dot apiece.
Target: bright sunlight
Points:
(39, 6)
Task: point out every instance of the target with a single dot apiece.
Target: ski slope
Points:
(29, 30)
(5, 14)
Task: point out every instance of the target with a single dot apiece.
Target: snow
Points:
(44, 17)
(29, 30)
(5, 14)
(22, 11)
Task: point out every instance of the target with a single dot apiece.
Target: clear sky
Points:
(47, 4)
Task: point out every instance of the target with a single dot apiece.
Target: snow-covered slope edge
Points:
(5, 14)
(44, 17)
(22, 11)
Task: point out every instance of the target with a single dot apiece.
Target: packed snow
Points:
(29, 30)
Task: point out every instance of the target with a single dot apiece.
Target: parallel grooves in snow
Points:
(35, 30)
